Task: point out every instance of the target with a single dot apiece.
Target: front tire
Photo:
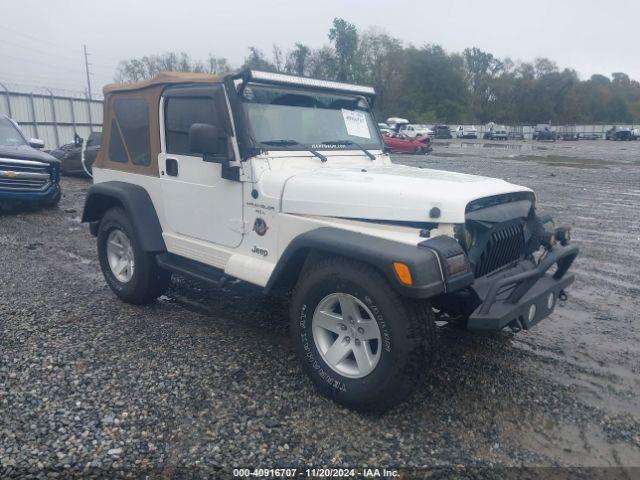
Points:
(133, 274)
(362, 344)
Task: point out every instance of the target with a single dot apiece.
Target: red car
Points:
(397, 142)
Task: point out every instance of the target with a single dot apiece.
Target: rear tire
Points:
(405, 328)
(133, 274)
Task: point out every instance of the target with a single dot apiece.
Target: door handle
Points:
(171, 166)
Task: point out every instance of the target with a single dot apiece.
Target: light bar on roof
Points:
(309, 82)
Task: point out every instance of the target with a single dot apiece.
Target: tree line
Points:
(427, 84)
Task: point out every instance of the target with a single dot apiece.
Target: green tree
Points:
(257, 61)
(481, 69)
(297, 59)
(344, 36)
(382, 67)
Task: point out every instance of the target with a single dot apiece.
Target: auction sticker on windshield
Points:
(356, 123)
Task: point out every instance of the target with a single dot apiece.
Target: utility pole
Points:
(90, 98)
(86, 66)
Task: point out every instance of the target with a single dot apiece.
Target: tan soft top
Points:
(165, 78)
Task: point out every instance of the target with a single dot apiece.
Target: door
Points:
(198, 203)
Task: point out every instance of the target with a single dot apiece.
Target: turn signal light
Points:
(403, 273)
(457, 264)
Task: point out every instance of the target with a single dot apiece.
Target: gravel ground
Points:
(206, 378)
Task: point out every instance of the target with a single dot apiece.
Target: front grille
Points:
(504, 246)
(24, 175)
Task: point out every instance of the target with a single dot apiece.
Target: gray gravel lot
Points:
(206, 378)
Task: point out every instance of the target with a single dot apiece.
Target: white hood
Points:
(388, 192)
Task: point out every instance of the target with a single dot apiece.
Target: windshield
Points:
(282, 118)
(9, 135)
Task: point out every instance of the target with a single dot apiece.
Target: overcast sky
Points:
(41, 42)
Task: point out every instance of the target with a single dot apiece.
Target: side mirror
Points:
(36, 143)
(204, 139)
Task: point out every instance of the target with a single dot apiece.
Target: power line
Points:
(17, 45)
(30, 60)
(41, 78)
(49, 43)
(104, 68)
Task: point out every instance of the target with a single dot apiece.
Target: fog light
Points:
(532, 312)
(551, 299)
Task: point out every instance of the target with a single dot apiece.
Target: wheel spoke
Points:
(118, 239)
(122, 266)
(338, 351)
(370, 328)
(363, 357)
(328, 321)
(117, 246)
(348, 308)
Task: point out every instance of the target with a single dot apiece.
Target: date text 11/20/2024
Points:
(315, 472)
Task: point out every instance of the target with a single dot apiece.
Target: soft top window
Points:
(129, 139)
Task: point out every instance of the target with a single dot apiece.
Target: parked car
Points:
(568, 132)
(516, 133)
(466, 131)
(635, 134)
(545, 131)
(442, 131)
(77, 158)
(27, 174)
(426, 139)
(383, 125)
(414, 130)
(495, 132)
(618, 133)
(369, 249)
(395, 123)
(589, 136)
(398, 142)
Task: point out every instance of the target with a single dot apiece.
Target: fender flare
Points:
(135, 201)
(378, 252)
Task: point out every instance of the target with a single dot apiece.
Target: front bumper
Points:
(522, 295)
(47, 194)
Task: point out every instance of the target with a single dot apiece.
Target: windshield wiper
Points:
(351, 142)
(285, 143)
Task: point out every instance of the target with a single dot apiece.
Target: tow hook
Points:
(562, 296)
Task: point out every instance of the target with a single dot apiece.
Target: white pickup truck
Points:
(282, 181)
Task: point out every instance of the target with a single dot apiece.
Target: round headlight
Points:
(469, 238)
(532, 312)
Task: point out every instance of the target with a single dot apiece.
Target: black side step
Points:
(191, 268)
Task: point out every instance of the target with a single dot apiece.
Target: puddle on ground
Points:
(521, 147)
(565, 161)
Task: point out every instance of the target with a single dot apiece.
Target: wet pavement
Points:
(206, 377)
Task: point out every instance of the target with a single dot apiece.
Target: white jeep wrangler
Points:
(283, 182)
